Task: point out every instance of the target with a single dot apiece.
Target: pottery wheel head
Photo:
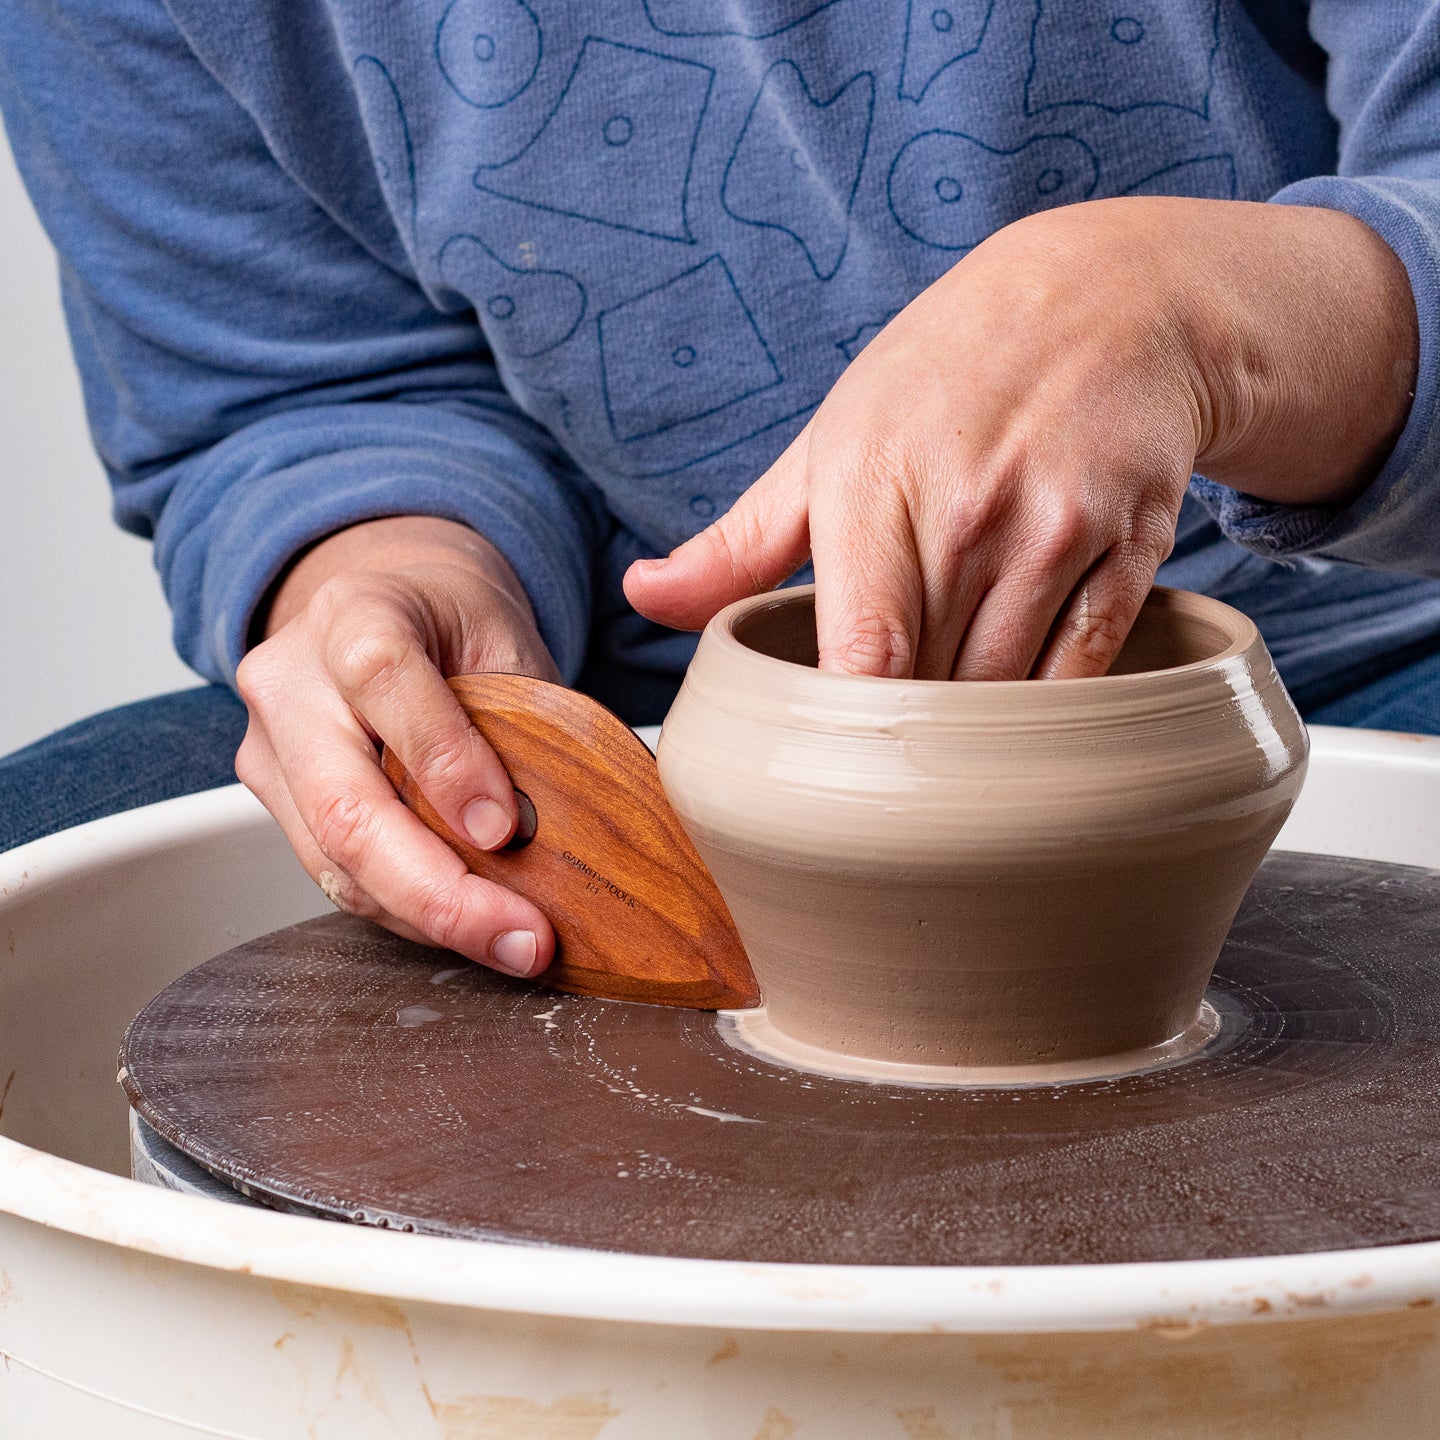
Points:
(336, 1070)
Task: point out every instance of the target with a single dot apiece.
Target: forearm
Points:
(390, 544)
(1306, 341)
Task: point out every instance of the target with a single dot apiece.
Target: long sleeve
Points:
(1383, 86)
(260, 365)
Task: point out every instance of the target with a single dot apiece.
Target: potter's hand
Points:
(988, 490)
(360, 637)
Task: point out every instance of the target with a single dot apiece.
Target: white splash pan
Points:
(128, 1311)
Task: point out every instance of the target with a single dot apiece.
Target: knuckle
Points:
(507, 640)
(1099, 634)
(343, 829)
(1151, 537)
(886, 472)
(862, 449)
(970, 520)
(875, 644)
(442, 762)
(365, 660)
(441, 915)
(1063, 528)
(735, 540)
(340, 594)
(246, 673)
(256, 678)
(878, 456)
(981, 508)
(248, 768)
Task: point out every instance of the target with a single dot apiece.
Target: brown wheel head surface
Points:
(336, 1070)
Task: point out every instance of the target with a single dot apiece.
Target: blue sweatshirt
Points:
(574, 272)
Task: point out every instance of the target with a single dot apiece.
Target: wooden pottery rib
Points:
(636, 914)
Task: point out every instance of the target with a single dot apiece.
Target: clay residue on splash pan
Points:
(751, 1031)
(531, 1117)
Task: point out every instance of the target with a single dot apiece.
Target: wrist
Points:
(384, 546)
(1306, 347)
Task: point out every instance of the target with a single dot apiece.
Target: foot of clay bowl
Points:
(1009, 881)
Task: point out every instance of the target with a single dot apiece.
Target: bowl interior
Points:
(1167, 634)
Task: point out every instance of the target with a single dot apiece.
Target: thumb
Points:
(760, 541)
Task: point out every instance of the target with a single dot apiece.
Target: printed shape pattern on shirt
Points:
(665, 227)
(727, 128)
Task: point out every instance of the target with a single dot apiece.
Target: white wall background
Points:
(83, 624)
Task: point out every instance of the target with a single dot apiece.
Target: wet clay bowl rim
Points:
(1214, 736)
(1164, 689)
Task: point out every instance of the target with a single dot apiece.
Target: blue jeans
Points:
(179, 743)
(152, 750)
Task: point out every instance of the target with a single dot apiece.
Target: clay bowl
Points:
(982, 881)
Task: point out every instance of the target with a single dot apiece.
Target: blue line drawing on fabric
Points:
(937, 34)
(488, 50)
(1206, 177)
(950, 190)
(524, 312)
(796, 166)
(681, 351)
(383, 114)
(755, 21)
(549, 398)
(658, 472)
(851, 345)
(1120, 55)
(619, 145)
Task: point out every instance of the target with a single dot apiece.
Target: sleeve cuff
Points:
(256, 500)
(1395, 523)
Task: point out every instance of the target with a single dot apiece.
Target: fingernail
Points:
(647, 567)
(514, 952)
(486, 824)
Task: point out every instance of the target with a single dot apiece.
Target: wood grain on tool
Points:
(636, 914)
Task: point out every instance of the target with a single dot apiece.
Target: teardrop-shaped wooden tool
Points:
(599, 851)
